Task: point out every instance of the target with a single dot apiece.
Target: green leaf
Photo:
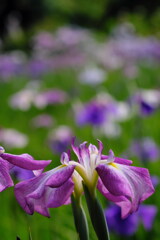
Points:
(97, 215)
(79, 219)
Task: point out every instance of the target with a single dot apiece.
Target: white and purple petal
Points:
(50, 188)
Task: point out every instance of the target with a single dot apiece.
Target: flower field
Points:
(77, 82)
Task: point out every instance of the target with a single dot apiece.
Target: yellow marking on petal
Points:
(113, 165)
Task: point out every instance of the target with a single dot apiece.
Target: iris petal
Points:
(49, 188)
(132, 184)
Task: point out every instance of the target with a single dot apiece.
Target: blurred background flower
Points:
(145, 215)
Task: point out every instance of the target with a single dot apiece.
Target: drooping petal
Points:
(25, 161)
(34, 194)
(132, 183)
(114, 180)
(5, 179)
(121, 201)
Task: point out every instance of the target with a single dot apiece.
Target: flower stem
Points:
(79, 219)
(97, 215)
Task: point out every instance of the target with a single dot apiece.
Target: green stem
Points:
(97, 215)
(79, 219)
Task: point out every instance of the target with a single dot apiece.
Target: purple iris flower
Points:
(147, 100)
(24, 161)
(11, 138)
(128, 226)
(119, 182)
(93, 113)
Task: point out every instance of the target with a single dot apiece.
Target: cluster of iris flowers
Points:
(125, 185)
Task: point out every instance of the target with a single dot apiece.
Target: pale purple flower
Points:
(43, 40)
(119, 182)
(11, 138)
(61, 40)
(136, 48)
(92, 76)
(23, 99)
(103, 113)
(63, 49)
(145, 149)
(146, 215)
(147, 100)
(70, 37)
(117, 53)
(24, 161)
(60, 139)
(49, 97)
